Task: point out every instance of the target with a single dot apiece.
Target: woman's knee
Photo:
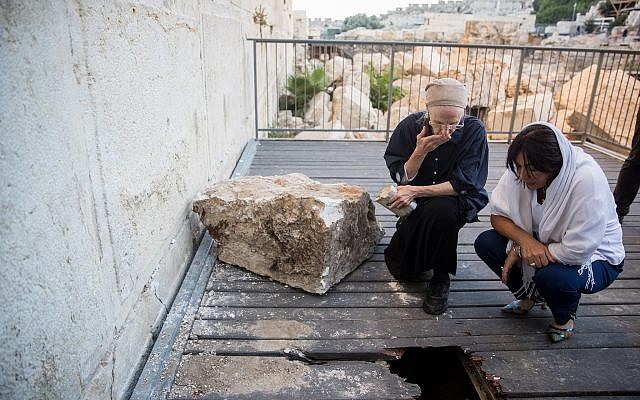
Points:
(553, 278)
(489, 242)
(446, 216)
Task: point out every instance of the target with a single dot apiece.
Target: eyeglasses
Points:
(442, 127)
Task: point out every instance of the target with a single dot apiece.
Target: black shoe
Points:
(435, 301)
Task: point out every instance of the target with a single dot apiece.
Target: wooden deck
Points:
(241, 339)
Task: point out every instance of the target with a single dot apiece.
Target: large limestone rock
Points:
(426, 61)
(353, 108)
(483, 80)
(561, 120)
(405, 106)
(357, 77)
(293, 229)
(335, 67)
(614, 107)
(530, 108)
(318, 111)
(377, 61)
(287, 120)
(413, 84)
(336, 132)
(494, 32)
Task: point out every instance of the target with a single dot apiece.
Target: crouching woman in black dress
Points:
(438, 158)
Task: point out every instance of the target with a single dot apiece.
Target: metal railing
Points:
(331, 89)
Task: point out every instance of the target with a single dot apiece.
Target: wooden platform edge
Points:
(246, 159)
(162, 364)
(158, 368)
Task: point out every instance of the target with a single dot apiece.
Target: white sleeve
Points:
(499, 202)
(405, 178)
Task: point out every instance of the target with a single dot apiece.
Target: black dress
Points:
(428, 238)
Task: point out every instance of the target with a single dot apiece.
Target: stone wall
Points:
(113, 116)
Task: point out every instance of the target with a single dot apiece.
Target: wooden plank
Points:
(373, 348)
(363, 329)
(405, 313)
(368, 271)
(393, 299)
(372, 271)
(256, 377)
(268, 286)
(558, 372)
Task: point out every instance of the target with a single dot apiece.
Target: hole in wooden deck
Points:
(442, 373)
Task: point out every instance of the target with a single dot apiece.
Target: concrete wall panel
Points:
(113, 116)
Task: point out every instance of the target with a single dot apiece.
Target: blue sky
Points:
(339, 9)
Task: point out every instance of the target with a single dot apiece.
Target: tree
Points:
(379, 91)
(361, 20)
(302, 88)
(552, 11)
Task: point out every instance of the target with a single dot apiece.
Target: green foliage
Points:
(281, 135)
(552, 11)
(379, 92)
(619, 21)
(301, 89)
(361, 20)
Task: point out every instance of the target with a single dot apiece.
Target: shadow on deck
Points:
(236, 335)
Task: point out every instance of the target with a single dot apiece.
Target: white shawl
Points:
(578, 214)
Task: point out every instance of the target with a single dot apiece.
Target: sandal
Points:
(515, 308)
(557, 334)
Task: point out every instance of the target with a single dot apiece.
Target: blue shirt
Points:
(463, 161)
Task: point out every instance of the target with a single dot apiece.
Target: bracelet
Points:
(516, 249)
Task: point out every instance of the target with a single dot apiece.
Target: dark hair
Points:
(539, 148)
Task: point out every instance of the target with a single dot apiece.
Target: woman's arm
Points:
(424, 145)
(406, 193)
(532, 251)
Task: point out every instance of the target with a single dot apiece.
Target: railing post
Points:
(390, 94)
(516, 95)
(255, 86)
(596, 81)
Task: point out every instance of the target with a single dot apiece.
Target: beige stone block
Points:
(530, 108)
(335, 67)
(427, 60)
(377, 61)
(616, 101)
(318, 111)
(295, 230)
(353, 108)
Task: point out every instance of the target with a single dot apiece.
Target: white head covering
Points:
(446, 92)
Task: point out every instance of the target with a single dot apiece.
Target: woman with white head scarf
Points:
(439, 158)
(556, 233)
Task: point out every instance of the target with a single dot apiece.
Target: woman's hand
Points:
(536, 254)
(511, 260)
(404, 195)
(426, 144)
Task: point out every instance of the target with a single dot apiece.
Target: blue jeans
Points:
(560, 285)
